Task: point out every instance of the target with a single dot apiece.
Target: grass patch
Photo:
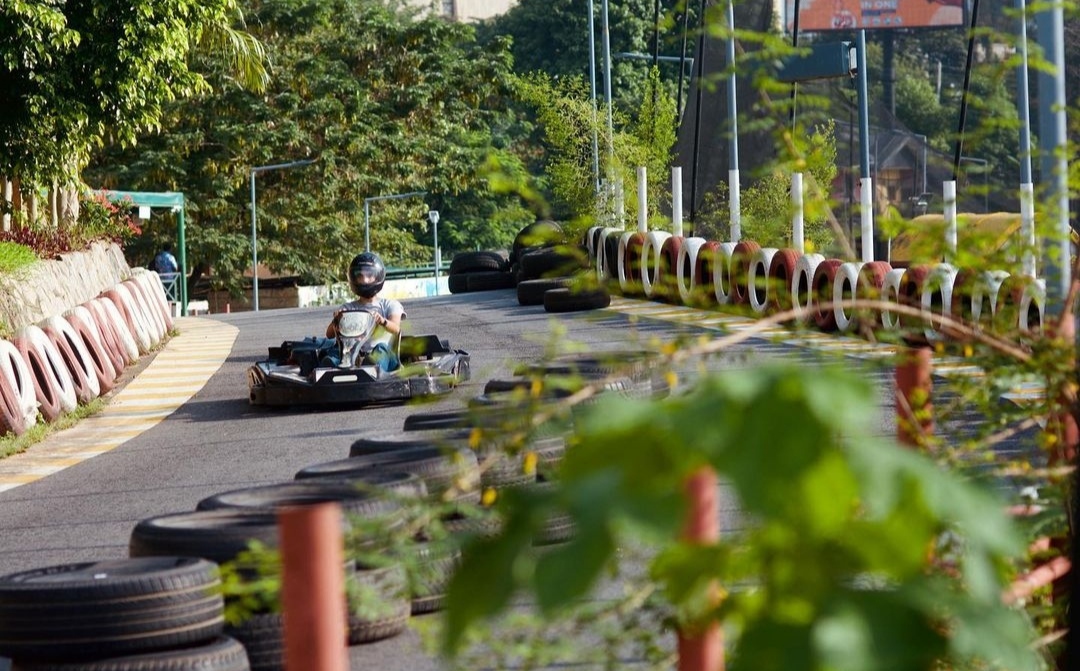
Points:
(14, 256)
(11, 444)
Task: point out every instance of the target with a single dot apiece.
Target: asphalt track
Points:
(182, 428)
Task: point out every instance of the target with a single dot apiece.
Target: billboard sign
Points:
(824, 15)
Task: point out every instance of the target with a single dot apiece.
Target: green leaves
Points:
(854, 553)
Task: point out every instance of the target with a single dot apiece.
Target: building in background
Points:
(468, 10)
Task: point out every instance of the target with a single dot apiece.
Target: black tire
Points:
(376, 442)
(635, 364)
(536, 234)
(399, 484)
(431, 421)
(433, 564)
(440, 470)
(554, 261)
(216, 535)
(263, 636)
(109, 608)
(611, 257)
(354, 500)
(569, 300)
(220, 654)
(382, 606)
(458, 284)
(531, 292)
(471, 262)
(489, 281)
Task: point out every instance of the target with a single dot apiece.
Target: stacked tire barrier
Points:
(123, 615)
(758, 281)
(48, 369)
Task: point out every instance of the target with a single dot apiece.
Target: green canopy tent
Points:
(172, 200)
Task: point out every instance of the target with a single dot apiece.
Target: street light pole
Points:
(254, 221)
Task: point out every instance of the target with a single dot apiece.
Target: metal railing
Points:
(415, 271)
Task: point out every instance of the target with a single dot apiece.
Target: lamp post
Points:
(433, 217)
(254, 240)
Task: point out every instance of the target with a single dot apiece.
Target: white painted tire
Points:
(802, 285)
(155, 289)
(136, 324)
(844, 286)
(63, 328)
(940, 281)
(600, 263)
(589, 239)
(890, 293)
(106, 309)
(686, 268)
(650, 260)
(154, 320)
(985, 294)
(1032, 303)
(722, 273)
(56, 372)
(17, 378)
(757, 279)
(626, 281)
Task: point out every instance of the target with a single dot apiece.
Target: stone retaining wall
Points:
(50, 287)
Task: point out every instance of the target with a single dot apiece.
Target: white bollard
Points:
(642, 201)
(676, 201)
(797, 234)
(950, 216)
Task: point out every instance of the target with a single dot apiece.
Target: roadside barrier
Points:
(121, 298)
(102, 364)
(758, 286)
(722, 273)
(688, 270)
(154, 326)
(936, 297)
(115, 357)
(154, 321)
(155, 288)
(19, 409)
(802, 298)
(46, 393)
(821, 291)
(782, 268)
(79, 362)
(741, 256)
(114, 333)
(127, 340)
(53, 386)
(631, 246)
(844, 288)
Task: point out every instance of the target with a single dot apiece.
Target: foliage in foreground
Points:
(858, 554)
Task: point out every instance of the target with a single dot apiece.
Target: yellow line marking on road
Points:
(176, 373)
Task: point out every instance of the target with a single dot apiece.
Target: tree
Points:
(78, 74)
(388, 104)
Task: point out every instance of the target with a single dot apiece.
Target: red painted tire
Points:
(910, 293)
(110, 342)
(963, 289)
(113, 333)
(112, 313)
(781, 274)
(821, 292)
(79, 362)
(740, 268)
(156, 289)
(48, 396)
(18, 404)
(56, 371)
(868, 287)
(122, 300)
(704, 269)
(155, 325)
(103, 368)
(666, 279)
(629, 270)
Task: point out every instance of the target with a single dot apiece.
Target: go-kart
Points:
(321, 371)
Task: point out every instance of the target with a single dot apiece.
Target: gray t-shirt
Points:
(384, 307)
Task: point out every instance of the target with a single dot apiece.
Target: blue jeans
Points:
(381, 355)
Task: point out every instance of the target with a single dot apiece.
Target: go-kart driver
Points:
(366, 277)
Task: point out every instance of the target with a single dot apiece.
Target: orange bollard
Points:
(313, 588)
(702, 650)
(914, 384)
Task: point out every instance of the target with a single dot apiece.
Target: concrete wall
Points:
(52, 286)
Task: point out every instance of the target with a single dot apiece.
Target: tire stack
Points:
(49, 369)
(479, 271)
(552, 274)
(119, 615)
(225, 525)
